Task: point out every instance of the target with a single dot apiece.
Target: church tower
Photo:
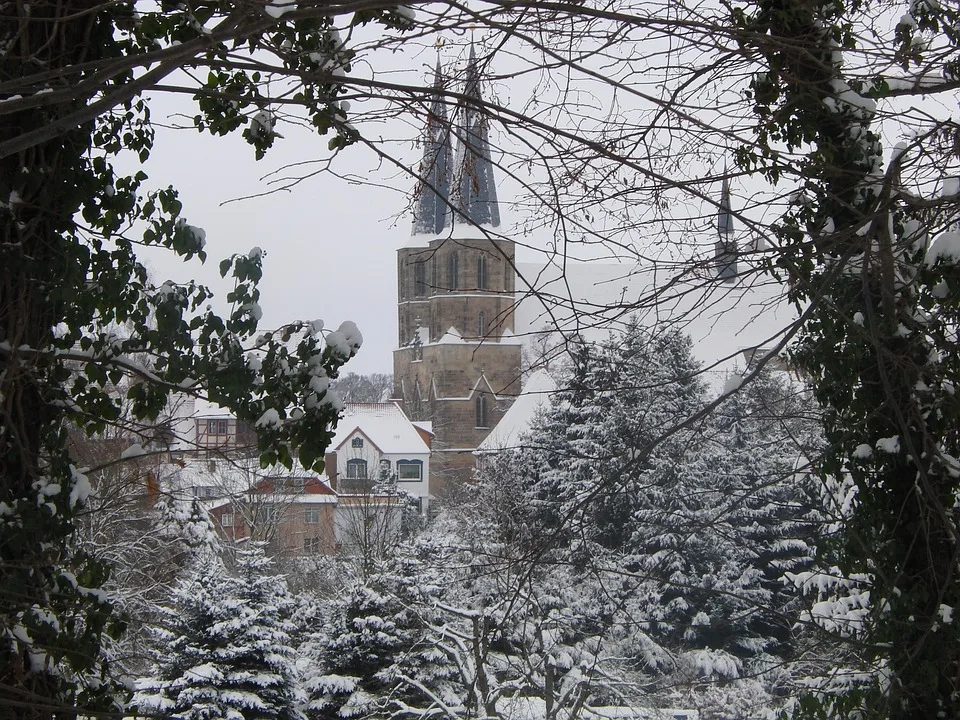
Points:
(458, 363)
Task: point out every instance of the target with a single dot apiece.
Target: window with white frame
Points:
(356, 469)
(311, 516)
(267, 514)
(290, 485)
(409, 470)
(226, 520)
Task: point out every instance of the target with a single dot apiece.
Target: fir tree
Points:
(226, 647)
(376, 651)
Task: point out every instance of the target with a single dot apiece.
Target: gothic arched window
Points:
(419, 280)
(482, 281)
(483, 417)
(482, 324)
(454, 271)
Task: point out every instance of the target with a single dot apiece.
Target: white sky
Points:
(330, 243)
(330, 246)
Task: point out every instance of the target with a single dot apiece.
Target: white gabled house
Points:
(377, 443)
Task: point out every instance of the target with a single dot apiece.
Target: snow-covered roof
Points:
(534, 397)
(425, 425)
(384, 424)
(309, 499)
(206, 409)
(229, 476)
(451, 336)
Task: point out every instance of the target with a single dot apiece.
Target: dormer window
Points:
(217, 427)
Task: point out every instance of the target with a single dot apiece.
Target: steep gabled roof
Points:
(384, 424)
(533, 399)
(725, 214)
(461, 191)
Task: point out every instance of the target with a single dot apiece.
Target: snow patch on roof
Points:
(533, 399)
(450, 337)
(425, 425)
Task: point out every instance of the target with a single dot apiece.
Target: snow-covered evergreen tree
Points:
(717, 547)
(375, 651)
(685, 521)
(225, 646)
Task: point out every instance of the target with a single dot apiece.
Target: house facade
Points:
(378, 449)
(377, 474)
(294, 515)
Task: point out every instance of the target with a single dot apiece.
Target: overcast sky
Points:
(330, 245)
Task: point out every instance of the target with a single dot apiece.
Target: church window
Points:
(482, 281)
(435, 272)
(483, 417)
(356, 469)
(419, 279)
(482, 324)
(454, 271)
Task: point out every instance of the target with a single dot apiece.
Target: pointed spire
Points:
(725, 249)
(725, 215)
(430, 206)
(475, 197)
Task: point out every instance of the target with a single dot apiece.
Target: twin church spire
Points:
(460, 188)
